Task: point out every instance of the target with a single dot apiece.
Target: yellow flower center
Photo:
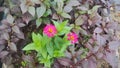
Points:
(50, 30)
(71, 37)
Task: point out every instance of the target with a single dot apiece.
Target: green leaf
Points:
(38, 22)
(30, 46)
(45, 40)
(47, 61)
(64, 46)
(65, 30)
(57, 25)
(65, 15)
(58, 54)
(41, 10)
(82, 11)
(50, 48)
(31, 10)
(37, 39)
(48, 12)
(43, 52)
(58, 42)
(60, 26)
(63, 24)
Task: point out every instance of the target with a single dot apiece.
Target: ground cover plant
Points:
(59, 33)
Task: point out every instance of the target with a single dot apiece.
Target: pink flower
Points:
(73, 37)
(50, 30)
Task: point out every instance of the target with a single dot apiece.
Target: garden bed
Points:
(59, 33)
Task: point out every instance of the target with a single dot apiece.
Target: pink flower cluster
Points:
(50, 30)
(73, 37)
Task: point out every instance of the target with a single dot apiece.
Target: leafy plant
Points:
(50, 48)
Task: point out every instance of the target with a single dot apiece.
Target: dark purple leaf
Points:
(5, 36)
(15, 10)
(10, 19)
(89, 46)
(112, 25)
(112, 59)
(101, 40)
(15, 39)
(55, 16)
(95, 49)
(98, 30)
(70, 4)
(114, 45)
(2, 9)
(95, 18)
(23, 7)
(68, 55)
(79, 21)
(99, 55)
(19, 22)
(5, 22)
(27, 58)
(1, 47)
(20, 35)
(92, 64)
(2, 27)
(83, 8)
(16, 29)
(56, 64)
(85, 64)
(27, 17)
(12, 46)
(65, 61)
(3, 54)
(2, 41)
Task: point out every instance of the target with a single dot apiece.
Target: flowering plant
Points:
(52, 43)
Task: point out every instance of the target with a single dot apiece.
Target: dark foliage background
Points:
(95, 21)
